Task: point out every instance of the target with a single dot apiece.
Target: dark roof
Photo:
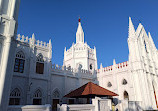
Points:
(89, 90)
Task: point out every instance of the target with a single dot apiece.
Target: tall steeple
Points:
(79, 33)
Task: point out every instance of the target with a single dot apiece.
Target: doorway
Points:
(54, 104)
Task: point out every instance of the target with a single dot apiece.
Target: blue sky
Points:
(105, 24)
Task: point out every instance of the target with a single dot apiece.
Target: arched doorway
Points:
(126, 96)
(55, 100)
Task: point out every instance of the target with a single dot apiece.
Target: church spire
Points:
(131, 30)
(79, 33)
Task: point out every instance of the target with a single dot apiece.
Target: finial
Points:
(114, 62)
(79, 20)
(33, 36)
(50, 43)
(65, 49)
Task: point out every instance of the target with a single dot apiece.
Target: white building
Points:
(137, 78)
(29, 76)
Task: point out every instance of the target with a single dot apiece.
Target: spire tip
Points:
(79, 20)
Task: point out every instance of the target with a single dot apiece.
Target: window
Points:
(15, 96)
(40, 64)
(126, 95)
(37, 97)
(145, 46)
(56, 94)
(124, 82)
(19, 62)
(90, 67)
(109, 84)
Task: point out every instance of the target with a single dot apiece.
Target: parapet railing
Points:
(69, 69)
(32, 41)
(113, 67)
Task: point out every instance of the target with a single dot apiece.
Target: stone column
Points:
(8, 28)
(6, 73)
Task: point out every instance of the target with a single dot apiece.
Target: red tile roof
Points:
(90, 89)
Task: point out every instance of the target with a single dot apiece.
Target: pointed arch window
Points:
(37, 97)
(124, 82)
(39, 64)
(126, 96)
(19, 62)
(109, 84)
(145, 46)
(91, 66)
(56, 94)
(15, 96)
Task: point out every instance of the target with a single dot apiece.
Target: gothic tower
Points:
(143, 66)
(80, 54)
(8, 28)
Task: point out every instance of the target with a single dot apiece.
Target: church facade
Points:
(137, 78)
(33, 79)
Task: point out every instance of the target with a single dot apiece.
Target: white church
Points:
(28, 77)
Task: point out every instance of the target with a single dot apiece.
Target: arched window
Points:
(39, 64)
(90, 66)
(19, 62)
(126, 95)
(109, 84)
(145, 46)
(56, 94)
(15, 96)
(124, 82)
(37, 97)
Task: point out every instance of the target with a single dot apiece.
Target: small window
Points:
(109, 84)
(56, 94)
(15, 96)
(14, 101)
(145, 46)
(39, 64)
(91, 67)
(124, 82)
(37, 101)
(19, 62)
(37, 98)
(39, 67)
(126, 95)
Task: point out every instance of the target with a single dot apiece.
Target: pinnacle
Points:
(33, 36)
(131, 30)
(114, 62)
